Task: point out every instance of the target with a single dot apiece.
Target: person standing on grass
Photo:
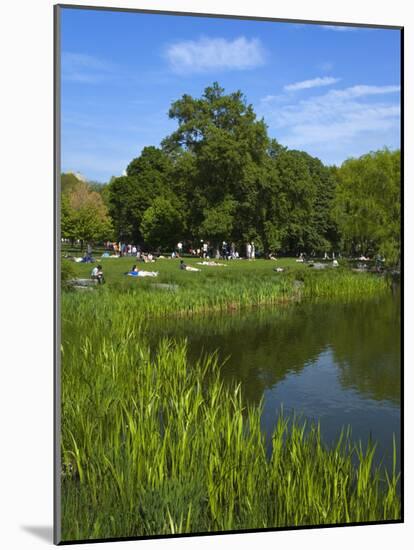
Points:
(179, 248)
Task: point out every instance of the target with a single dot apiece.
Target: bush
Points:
(67, 272)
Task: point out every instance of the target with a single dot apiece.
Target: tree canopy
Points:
(84, 215)
(220, 176)
(368, 204)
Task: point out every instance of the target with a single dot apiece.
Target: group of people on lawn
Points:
(227, 252)
(97, 272)
(205, 250)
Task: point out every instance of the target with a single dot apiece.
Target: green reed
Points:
(154, 445)
(221, 293)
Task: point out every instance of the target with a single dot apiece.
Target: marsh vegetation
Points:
(156, 441)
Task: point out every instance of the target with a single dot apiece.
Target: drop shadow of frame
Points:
(43, 532)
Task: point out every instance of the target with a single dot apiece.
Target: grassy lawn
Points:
(238, 284)
(170, 272)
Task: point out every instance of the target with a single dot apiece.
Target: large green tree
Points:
(368, 206)
(218, 222)
(68, 182)
(84, 215)
(322, 232)
(223, 143)
(162, 224)
(296, 204)
(147, 177)
(226, 179)
(91, 219)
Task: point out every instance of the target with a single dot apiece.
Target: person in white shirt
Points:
(97, 274)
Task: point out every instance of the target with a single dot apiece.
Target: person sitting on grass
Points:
(148, 258)
(97, 274)
(186, 267)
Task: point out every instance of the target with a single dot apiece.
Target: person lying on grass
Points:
(135, 272)
(212, 264)
(186, 267)
(87, 259)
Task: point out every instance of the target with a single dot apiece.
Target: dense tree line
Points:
(219, 176)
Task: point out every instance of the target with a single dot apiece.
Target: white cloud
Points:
(79, 67)
(339, 28)
(334, 120)
(312, 83)
(207, 54)
(282, 98)
(350, 124)
(361, 90)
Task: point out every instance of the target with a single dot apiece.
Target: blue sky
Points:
(331, 91)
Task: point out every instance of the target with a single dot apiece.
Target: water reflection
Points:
(339, 363)
(262, 347)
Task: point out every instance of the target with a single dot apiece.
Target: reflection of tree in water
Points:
(366, 347)
(264, 346)
(259, 348)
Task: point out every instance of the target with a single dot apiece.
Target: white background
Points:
(26, 217)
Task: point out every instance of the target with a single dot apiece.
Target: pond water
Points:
(338, 363)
